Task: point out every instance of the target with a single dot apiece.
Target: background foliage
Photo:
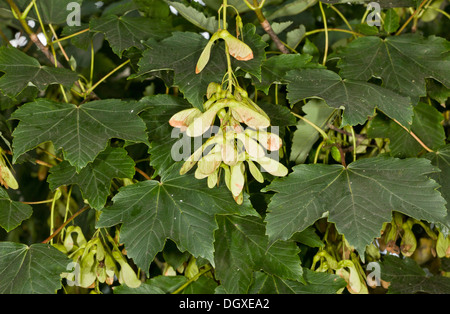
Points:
(92, 202)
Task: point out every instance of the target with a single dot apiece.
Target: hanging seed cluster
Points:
(95, 261)
(233, 145)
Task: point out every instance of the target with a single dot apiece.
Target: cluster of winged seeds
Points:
(232, 145)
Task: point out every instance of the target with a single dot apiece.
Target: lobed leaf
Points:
(22, 70)
(180, 208)
(82, 132)
(31, 269)
(358, 199)
(94, 180)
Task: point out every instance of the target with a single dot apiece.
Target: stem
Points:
(69, 36)
(38, 202)
(411, 17)
(52, 213)
(142, 173)
(342, 17)
(415, 137)
(267, 28)
(187, 283)
(40, 21)
(89, 91)
(66, 223)
(92, 63)
(316, 156)
(326, 33)
(67, 209)
(354, 143)
(333, 30)
(322, 132)
(440, 11)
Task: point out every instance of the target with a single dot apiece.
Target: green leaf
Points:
(94, 180)
(53, 11)
(153, 8)
(22, 70)
(203, 285)
(391, 21)
(401, 62)
(427, 125)
(358, 98)
(358, 199)
(157, 113)
(274, 69)
(308, 237)
(196, 17)
(291, 7)
(441, 159)
(241, 247)
(437, 91)
(80, 131)
(30, 269)
(406, 277)
(180, 208)
(316, 283)
(12, 213)
(180, 52)
(124, 32)
(317, 112)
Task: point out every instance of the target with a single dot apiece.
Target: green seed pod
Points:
(213, 179)
(110, 269)
(272, 166)
(87, 270)
(126, 273)
(236, 47)
(251, 146)
(268, 140)
(255, 171)
(246, 113)
(227, 176)
(69, 243)
(237, 178)
(184, 118)
(443, 246)
(336, 154)
(192, 160)
(209, 163)
(202, 123)
(229, 153)
(213, 88)
(6, 176)
(100, 271)
(206, 53)
(409, 243)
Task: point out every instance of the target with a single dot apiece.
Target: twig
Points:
(65, 224)
(331, 126)
(142, 173)
(318, 129)
(411, 17)
(415, 137)
(268, 29)
(325, 25)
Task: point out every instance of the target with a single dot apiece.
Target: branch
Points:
(268, 29)
(65, 224)
(411, 17)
